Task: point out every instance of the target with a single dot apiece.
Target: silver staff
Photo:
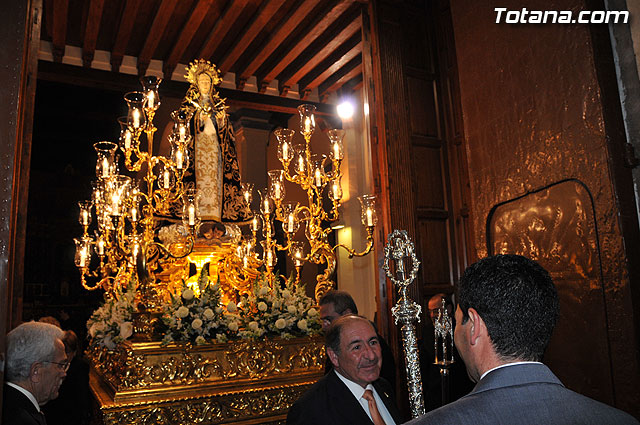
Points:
(400, 249)
(444, 332)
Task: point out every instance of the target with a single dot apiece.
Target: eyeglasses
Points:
(64, 366)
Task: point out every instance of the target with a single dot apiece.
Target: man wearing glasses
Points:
(36, 366)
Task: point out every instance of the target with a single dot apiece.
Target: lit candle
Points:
(245, 261)
(290, 223)
(192, 215)
(167, 181)
(369, 217)
(115, 205)
(276, 191)
(298, 256)
(150, 99)
(336, 191)
(134, 214)
(307, 125)
(318, 177)
(246, 196)
(269, 258)
(127, 139)
(136, 118)
(254, 224)
(285, 151)
(105, 167)
(182, 133)
(85, 218)
(179, 160)
(336, 151)
(267, 209)
(83, 253)
(100, 247)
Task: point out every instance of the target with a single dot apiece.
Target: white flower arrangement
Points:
(112, 323)
(196, 319)
(285, 312)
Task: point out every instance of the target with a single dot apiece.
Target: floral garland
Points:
(274, 311)
(112, 323)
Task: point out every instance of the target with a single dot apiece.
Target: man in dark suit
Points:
(353, 393)
(36, 366)
(508, 307)
(340, 303)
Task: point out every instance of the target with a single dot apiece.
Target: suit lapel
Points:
(345, 403)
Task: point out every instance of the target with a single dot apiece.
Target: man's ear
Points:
(333, 356)
(477, 326)
(35, 372)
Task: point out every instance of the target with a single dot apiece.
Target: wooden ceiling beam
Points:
(222, 26)
(328, 43)
(347, 72)
(258, 22)
(160, 22)
(332, 64)
(321, 24)
(91, 31)
(186, 35)
(125, 28)
(60, 9)
(286, 26)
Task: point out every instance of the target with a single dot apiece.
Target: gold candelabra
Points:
(126, 210)
(318, 176)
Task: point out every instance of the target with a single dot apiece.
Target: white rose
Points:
(200, 340)
(262, 306)
(263, 290)
(231, 307)
(292, 309)
(196, 324)
(208, 313)
(302, 325)
(253, 325)
(233, 326)
(286, 293)
(187, 294)
(182, 312)
(312, 312)
(281, 323)
(108, 342)
(126, 329)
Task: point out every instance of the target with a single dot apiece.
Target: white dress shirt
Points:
(358, 391)
(506, 365)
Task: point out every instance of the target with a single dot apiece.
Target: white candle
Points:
(336, 151)
(100, 247)
(246, 196)
(369, 217)
(300, 164)
(179, 160)
(167, 181)
(267, 210)
(336, 191)
(290, 223)
(254, 224)
(307, 125)
(182, 133)
(105, 167)
(134, 214)
(150, 99)
(192, 215)
(318, 178)
(245, 262)
(136, 118)
(285, 151)
(83, 260)
(269, 258)
(127, 139)
(85, 217)
(276, 191)
(115, 205)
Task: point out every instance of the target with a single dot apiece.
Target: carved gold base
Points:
(240, 382)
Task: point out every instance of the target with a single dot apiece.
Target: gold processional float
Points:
(234, 342)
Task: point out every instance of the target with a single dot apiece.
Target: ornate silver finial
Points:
(443, 327)
(400, 249)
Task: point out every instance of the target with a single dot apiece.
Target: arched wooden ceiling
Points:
(309, 45)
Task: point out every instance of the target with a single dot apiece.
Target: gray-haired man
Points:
(36, 366)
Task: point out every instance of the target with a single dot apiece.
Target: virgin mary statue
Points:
(214, 167)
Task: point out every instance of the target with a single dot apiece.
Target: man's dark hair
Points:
(332, 336)
(516, 299)
(341, 301)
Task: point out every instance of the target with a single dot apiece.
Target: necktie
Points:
(373, 408)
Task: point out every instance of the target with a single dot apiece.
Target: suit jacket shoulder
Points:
(329, 401)
(524, 394)
(17, 409)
